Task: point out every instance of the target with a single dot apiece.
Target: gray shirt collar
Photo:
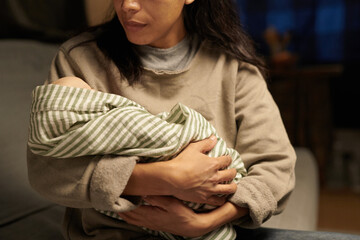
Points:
(175, 58)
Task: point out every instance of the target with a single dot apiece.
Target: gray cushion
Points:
(23, 65)
(302, 209)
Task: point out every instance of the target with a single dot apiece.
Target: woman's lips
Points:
(133, 25)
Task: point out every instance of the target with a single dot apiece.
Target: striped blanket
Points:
(71, 122)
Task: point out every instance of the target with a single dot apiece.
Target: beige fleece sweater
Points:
(232, 96)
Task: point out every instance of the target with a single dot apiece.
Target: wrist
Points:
(205, 223)
(174, 177)
(225, 214)
(149, 179)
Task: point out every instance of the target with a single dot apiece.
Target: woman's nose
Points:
(130, 5)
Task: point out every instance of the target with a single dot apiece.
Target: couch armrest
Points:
(301, 212)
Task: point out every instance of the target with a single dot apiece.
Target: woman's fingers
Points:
(223, 176)
(220, 193)
(216, 200)
(197, 175)
(224, 188)
(224, 162)
(205, 145)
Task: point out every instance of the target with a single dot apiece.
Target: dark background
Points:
(322, 32)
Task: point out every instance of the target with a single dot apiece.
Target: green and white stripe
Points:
(71, 122)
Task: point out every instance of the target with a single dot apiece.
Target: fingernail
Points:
(212, 137)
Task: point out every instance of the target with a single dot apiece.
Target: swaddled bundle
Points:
(71, 122)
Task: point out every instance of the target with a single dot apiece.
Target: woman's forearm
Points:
(191, 176)
(224, 214)
(168, 214)
(149, 179)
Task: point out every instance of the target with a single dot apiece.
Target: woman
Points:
(159, 53)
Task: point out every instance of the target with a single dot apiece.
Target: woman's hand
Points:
(191, 176)
(199, 178)
(168, 214)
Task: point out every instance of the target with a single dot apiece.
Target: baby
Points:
(69, 119)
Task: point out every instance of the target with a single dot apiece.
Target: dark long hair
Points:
(215, 21)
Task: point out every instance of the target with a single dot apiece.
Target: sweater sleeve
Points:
(82, 182)
(265, 149)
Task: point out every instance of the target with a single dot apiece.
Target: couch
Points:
(26, 215)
